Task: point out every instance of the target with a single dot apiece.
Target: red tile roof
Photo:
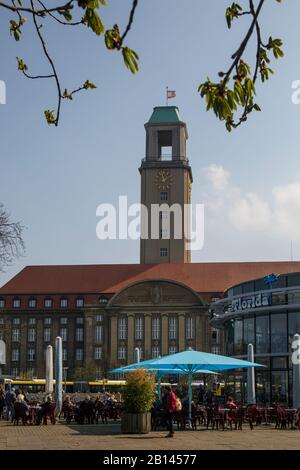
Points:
(110, 278)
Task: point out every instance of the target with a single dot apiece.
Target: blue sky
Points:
(52, 179)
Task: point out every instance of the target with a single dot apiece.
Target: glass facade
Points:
(270, 328)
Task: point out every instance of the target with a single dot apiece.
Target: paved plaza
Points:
(106, 437)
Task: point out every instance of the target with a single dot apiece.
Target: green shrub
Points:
(139, 391)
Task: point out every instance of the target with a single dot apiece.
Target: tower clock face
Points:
(163, 180)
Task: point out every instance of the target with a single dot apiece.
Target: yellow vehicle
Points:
(38, 385)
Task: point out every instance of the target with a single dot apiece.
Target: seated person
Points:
(231, 404)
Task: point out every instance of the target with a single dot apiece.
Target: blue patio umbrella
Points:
(191, 362)
(151, 367)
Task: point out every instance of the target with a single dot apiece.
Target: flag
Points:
(171, 94)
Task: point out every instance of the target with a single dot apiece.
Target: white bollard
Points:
(58, 374)
(49, 370)
(251, 399)
(296, 371)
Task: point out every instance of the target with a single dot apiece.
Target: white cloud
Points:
(287, 210)
(249, 211)
(217, 176)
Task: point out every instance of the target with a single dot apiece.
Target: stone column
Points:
(164, 334)
(112, 358)
(40, 350)
(130, 338)
(88, 339)
(23, 345)
(147, 336)
(181, 332)
(198, 332)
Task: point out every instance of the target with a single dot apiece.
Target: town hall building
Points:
(104, 312)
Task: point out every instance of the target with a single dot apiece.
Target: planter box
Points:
(136, 423)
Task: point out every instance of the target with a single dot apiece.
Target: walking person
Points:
(10, 398)
(169, 403)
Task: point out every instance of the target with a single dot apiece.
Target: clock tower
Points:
(166, 181)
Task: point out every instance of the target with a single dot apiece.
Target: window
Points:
(32, 303)
(15, 372)
(164, 234)
(15, 334)
(79, 334)
(16, 303)
(64, 334)
(31, 335)
(141, 353)
(139, 328)
(99, 318)
(48, 303)
(229, 337)
(1, 321)
(16, 321)
(294, 325)
(164, 196)
(63, 303)
(166, 151)
(1, 335)
(2, 303)
(190, 328)
(79, 302)
(293, 297)
(164, 252)
(98, 334)
(163, 215)
(122, 330)
(238, 337)
(262, 334)
(249, 333)
(172, 328)
(155, 328)
(215, 349)
(63, 320)
(279, 390)
(31, 372)
(31, 354)
(98, 353)
(172, 349)
(103, 300)
(15, 355)
(155, 352)
(64, 354)
(79, 354)
(278, 333)
(47, 335)
(122, 352)
(31, 321)
(48, 321)
(79, 321)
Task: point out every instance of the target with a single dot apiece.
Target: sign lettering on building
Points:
(255, 301)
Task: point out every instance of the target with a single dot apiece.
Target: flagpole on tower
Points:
(167, 97)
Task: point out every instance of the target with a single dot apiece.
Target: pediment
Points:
(155, 292)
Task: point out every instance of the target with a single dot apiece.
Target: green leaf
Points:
(50, 118)
(93, 21)
(130, 59)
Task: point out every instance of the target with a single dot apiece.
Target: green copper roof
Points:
(165, 114)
